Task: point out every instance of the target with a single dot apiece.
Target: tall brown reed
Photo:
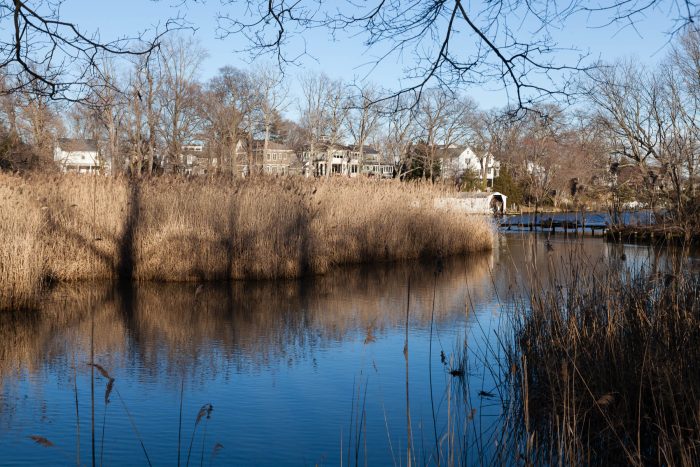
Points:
(607, 367)
(21, 251)
(170, 229)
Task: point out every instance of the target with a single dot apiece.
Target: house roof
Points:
(449, 151)
(271, 146)
(367, 150)
(75, 145)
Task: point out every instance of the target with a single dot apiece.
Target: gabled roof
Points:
(76, 145)
(449, 151)
(367, 150)
(271, 145)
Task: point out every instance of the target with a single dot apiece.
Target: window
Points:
(269, 156)
(274, 156)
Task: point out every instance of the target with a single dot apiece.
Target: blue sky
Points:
(647, 42)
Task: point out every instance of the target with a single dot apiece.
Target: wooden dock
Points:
(656, 234)
(553, 227)
(636, 232)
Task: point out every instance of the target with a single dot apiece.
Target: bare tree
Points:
(442, 119)
(141, 114)
(363, 117)
(8, 107)
(44, 53)
(312, 108)
(229, 98)
(271, 94)
(15, 154)
(323, 113)
(450, 42)
(179, 94)
(107, 107)
(335, 113)
(38, 123)
(400, 133)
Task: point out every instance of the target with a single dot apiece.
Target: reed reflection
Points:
(252, 324)
(249, 324)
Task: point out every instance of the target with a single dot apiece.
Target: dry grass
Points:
(75, 228)
(21, 251)
(606, 371)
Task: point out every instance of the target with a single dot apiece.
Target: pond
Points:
(366, 365)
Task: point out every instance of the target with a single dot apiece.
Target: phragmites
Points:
(607, 364)
(173, 229)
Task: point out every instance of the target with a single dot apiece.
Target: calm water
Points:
(298, 372)
(591, 219)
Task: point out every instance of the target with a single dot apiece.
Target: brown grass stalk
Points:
(612, 375)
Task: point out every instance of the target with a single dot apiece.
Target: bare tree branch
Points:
(449, 43)
(56, 58)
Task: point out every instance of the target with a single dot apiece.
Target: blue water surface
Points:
(304, 372)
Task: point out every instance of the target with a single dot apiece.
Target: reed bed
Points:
(69, 228)
(605, 370)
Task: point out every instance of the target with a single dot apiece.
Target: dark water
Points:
(298, 372)
(590, 219)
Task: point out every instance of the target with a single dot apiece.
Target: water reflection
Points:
(251, 322)
(279, 360)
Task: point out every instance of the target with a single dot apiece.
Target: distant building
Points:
(347, 161)
(78, 155)
(275, 159)
(193, 159)
(374, 164)
(538, 171)
(337, 155)
(278, 159)
(457, 161)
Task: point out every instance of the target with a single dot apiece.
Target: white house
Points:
(78, 155)
(460, 160)
(193, 158)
